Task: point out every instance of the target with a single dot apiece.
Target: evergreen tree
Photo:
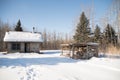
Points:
(82, 30)
(110, 36)
(18, 26)
(97, 34)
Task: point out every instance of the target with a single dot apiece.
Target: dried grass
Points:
(113, 50)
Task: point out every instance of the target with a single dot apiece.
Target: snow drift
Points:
(52, 66)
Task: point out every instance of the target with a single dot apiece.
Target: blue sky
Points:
(54, 15)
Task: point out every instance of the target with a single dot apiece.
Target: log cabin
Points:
(17, 41)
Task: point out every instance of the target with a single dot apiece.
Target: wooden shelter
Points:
(80, 50)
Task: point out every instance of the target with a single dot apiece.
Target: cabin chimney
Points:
(33, 29)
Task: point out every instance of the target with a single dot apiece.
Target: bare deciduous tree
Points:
(3, 28)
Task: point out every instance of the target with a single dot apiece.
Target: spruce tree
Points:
(18, 26)
(97, 34)
(82, 30)
(110, 36)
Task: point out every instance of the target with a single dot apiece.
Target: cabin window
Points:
(15, 46)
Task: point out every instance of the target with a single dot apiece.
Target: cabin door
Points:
(27, 47)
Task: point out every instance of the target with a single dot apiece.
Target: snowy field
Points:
(52, 66)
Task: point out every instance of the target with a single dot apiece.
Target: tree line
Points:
(52, 40)
(83, 33)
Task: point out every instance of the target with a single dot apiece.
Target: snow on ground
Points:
(52, 66)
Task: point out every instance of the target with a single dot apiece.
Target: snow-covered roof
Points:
(92, 43)
(17, 36)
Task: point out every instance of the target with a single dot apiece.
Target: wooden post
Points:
(69, 50)
(72, 55)
(62, 51)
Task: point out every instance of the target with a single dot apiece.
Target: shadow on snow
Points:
(34, 61)
(109, 56)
